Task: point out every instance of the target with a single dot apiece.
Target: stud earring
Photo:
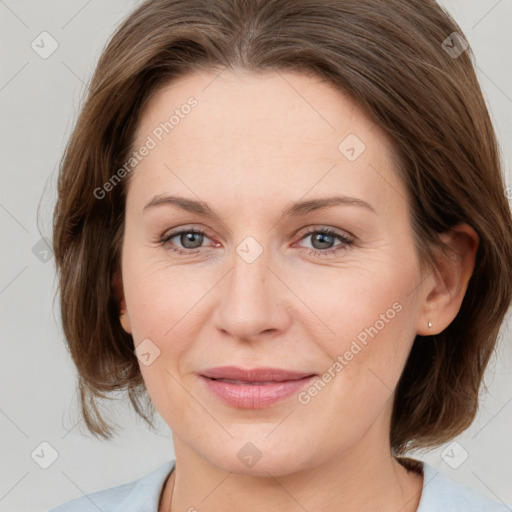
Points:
(429, 324)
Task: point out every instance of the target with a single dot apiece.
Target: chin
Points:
(259, 458)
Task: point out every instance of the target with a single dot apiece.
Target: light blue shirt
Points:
(440, 494)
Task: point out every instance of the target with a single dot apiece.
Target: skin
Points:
(254, 144)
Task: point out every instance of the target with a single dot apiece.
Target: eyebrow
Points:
(295, 209)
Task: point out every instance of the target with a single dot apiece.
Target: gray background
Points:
(39, 101)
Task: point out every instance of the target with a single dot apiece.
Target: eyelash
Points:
(347, 242)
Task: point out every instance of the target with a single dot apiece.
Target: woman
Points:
(222, 144)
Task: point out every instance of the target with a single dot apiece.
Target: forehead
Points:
(252, 132)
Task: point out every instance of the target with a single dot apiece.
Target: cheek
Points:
(160, 296)
(157, 302)
(350, 301)
(367, 323)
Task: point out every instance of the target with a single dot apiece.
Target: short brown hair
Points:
(389, 58)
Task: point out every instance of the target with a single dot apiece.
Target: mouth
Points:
(253, 383)
(254, 375)
(256, 388)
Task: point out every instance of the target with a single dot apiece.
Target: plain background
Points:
(39, 102)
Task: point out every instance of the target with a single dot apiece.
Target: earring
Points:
(429, 324)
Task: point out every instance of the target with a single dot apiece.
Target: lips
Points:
(257, 388)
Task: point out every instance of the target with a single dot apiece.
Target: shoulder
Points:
(141, 494)
(442, 494)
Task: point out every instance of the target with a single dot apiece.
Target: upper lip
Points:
(254, 374)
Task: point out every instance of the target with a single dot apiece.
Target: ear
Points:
(117, 285)
(446, 288)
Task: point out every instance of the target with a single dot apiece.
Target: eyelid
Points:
(314, 228)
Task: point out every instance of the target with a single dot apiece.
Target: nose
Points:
(253, 300)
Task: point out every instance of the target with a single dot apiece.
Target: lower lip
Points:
(251, 396)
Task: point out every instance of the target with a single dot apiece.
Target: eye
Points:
(325, 237)
(191, 241)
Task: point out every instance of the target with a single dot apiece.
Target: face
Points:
(329, 290)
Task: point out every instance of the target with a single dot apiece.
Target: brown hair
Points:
(389, 58)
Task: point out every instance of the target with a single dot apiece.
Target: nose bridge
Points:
(249, 277)
(252, 257)
(248, 302)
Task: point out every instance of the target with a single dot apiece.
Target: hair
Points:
(389, 59)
